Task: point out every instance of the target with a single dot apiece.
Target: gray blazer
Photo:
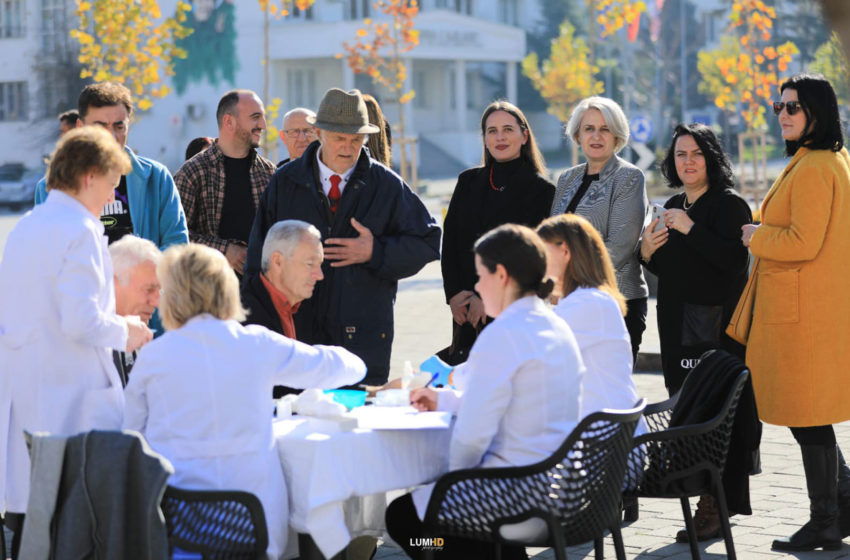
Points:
(616, 205)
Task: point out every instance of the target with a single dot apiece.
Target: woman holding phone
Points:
(695, 251)
(701, 267)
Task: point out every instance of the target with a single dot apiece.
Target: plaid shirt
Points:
(200, 182)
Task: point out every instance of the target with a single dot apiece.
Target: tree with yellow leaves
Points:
(274, 9)
(567, 76)
(125, 41)
(743, 75)
(612, 15)
(377, 51)
(744, 72)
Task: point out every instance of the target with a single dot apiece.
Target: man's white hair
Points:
(129, 252)
(298, 110)
(284, 237)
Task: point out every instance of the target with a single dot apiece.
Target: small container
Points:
(349, 398)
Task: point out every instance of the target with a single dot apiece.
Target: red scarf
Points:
(283, 308)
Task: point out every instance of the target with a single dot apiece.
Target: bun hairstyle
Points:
(521, 252)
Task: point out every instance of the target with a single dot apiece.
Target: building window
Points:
(463, 7)
(420, 86)
(460, 6)
(298, 13)
(301, 87)
(358, 9)
(11, 18)
(509, 12)
(54, 34)
(452, 89)
(13, 98)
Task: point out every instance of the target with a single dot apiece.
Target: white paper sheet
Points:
(399, 418)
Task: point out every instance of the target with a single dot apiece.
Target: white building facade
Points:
(469, 54)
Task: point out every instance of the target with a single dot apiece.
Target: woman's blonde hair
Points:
(590, 265)
(81, 151)
(611, 111)
(195, 280)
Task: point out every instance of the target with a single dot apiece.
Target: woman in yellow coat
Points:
(794, 315)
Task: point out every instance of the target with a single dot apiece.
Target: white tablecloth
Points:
(326, 470)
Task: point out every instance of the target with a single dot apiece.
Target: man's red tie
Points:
(334, 194)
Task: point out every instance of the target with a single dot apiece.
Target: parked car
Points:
(17, 185)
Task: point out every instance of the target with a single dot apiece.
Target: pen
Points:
(433, 378)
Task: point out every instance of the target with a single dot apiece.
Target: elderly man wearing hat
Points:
(375, 230)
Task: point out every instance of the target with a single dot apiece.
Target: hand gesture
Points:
(747, 231)
(651, 241)
(235, 255)
(475, 314)
(459, 306)
(678, 220)
(424, 399)
(345, 251)
(138, 333)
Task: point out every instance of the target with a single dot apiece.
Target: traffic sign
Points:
(641, 128)
(645, 155)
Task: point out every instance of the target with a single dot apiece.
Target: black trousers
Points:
(405, 528)
(635, 323)
(815, 435)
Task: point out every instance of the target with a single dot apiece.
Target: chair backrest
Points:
(219, 524)
(578, 488)
(679, 456)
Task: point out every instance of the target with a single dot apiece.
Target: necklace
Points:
(685, 205)
(492, 185)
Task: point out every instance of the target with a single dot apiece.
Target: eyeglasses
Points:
(300, 132)
(793, 107)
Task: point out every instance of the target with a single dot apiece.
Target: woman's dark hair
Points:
(529, 152)
(718, 168)
(377, 142)
(823, 122)
(521, 252)
(198, 145)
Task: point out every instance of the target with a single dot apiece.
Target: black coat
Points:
(353, 306)
(257, 301)
(700, 278)
(476, 208)
(700, 400)
(261, 311)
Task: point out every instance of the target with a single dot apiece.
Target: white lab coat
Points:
(606, 350)
(57, 329)
(201, 396)
(518, 394)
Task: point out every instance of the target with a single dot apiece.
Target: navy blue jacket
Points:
(353, 306)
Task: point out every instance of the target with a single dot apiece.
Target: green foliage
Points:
(830, 61)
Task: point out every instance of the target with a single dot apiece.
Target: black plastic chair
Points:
(576, 491)
(686, 461)
(218, 524)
